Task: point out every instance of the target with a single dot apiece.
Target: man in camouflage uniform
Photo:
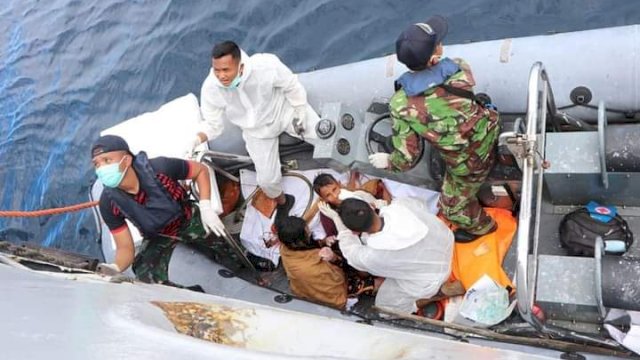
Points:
(436, 101)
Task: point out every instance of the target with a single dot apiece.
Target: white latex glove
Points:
(327, 211)
(379, 160)
(330, 240)
(379, 203)
(346, 194)
(299, 119)
(196, 142)
(364, 196)
(108, 269)
(210, 220)
(192, 148)
(327, 254)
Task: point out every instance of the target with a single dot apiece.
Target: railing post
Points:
(531, 148)
(536, 111)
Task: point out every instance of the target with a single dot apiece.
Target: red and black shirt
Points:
(168, 171)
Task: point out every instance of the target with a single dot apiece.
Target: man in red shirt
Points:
(147, 193)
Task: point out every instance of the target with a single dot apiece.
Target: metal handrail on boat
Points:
(207, 156)
(529, 143)
(529, 147)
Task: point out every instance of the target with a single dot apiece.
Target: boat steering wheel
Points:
(384, 142)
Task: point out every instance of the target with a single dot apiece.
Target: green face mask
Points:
(235, 82)
(110, 175)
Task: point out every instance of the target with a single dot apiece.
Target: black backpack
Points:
(578, 232)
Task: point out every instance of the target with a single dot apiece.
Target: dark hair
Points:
(291, 233)
(323, 180)
(356, 214)
(226, 48)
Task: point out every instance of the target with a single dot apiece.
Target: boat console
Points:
(348, 136)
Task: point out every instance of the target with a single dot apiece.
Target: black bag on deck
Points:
(579, 230)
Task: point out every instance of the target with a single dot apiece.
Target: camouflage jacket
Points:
(463, 131)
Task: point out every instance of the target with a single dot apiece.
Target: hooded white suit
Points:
(413, 251)
(263, 106)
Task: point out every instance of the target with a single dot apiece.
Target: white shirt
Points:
(262, 105)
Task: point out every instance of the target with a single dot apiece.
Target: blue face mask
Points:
(110, 175)
(235, 82)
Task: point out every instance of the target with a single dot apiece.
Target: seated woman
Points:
(310, 277)
(316, 272)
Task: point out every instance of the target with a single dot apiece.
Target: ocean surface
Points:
(70, 68)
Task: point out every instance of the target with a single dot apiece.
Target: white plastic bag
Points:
(629, 339)
(485, 304)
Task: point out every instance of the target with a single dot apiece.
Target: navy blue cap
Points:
(109, 143)
(416, 43)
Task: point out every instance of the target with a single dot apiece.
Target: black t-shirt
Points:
(168, 171)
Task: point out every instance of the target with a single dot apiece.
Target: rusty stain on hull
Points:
(215, 323)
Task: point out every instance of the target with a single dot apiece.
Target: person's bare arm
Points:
(200, 174)
(354, 181)
(125, 250)
(311, 213)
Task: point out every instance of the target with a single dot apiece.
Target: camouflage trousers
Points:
(458, 200)
(151, 265)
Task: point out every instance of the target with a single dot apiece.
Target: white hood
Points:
(402, 228)
(263, 103)
(245, 62)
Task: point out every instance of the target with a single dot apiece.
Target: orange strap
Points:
(53, 211)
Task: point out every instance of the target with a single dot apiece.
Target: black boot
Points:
(283, 210)
(462, 236)
(196, 288)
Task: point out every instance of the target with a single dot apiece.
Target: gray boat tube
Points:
(606, 61)
(610, 70)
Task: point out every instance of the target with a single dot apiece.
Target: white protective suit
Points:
(263, 106)
(413, 251)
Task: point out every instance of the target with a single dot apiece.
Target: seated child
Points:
(332, 192)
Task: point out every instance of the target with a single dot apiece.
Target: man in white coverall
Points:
(264, 98)
(406, 244)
